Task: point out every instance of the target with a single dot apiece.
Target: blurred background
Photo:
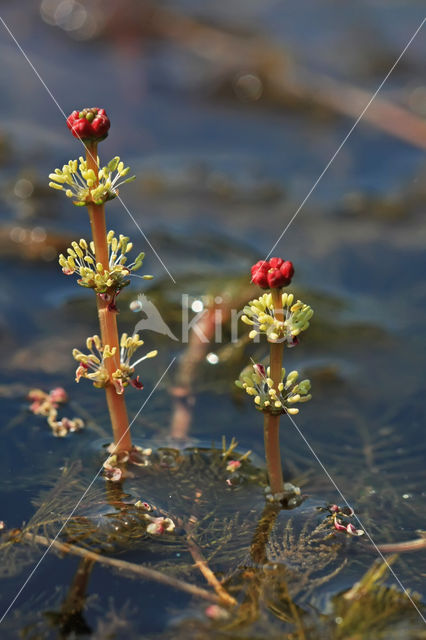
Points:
(228, 113)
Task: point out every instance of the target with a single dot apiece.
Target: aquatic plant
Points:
(282, 319)
(102, 265)
(46, 404)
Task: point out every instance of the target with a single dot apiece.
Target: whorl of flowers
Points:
(260, 314)
(80, 183)
(81, 259)
(92, 366)
(256, 382)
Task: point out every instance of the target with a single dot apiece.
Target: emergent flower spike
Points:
(276, 315)
(101, 265)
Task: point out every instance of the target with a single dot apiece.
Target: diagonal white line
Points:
(79, 501)
(358, 519)
(347, 136)
(147, 240)
(65, 117)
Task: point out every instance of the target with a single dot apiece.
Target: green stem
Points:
(107, 319)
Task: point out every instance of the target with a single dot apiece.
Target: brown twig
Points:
(123, 565)
(201, 564)
(403, 547)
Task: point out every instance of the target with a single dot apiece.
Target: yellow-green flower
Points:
(123, 375)
(256, 382)
(260, 314)
(92, 365)
(81, 259)
(80, 183)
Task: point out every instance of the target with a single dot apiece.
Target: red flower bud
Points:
(276, 263)
(261, 265)
(89, 124)
(287, 272)
(275, 279)
(259, 273)
(274, 274)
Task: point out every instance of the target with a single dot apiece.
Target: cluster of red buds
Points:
(89, 124)
(272, 274)
(336, 513)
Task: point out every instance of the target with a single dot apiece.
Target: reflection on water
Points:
(223, 162)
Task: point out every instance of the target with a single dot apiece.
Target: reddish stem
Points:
(271, 433)
(107, 319)
(272, 422)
